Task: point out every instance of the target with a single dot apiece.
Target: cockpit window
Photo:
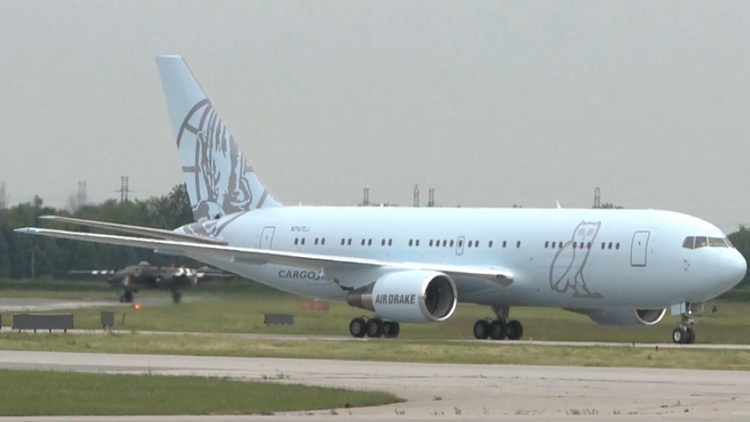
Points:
(716, 242)
(688, 243)
(697, 242)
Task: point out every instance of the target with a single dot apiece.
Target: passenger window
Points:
(296, 240)
(445, 243)
(451, 243)
(316, 240)
(504, 243)
(609, 246)
(416, 242)
(518, 244)
(343, 241)
(349, 242)
(430, 244)
(302, 241)
(369, 242)
(588, 246)
(546, 244)
(382, 242)
(617, 246)
(363, 242)
(323, 241)
(603, 244)
(390, 242)
(490, 244)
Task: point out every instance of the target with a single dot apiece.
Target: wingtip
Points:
(32, 230)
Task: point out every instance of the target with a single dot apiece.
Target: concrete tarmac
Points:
(442, 391)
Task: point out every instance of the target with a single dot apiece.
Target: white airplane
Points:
(621, 267)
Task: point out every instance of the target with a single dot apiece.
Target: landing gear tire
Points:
(515, 330)
(374, 327)
(176, 297)
(391, 329)
(481, 329)
(683, 335)
(126, 297)
(357, 328)
(498, 330)
(691, 336)
(679, 335)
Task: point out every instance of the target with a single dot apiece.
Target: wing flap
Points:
(500, 276)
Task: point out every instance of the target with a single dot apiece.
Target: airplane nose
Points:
(733, 269)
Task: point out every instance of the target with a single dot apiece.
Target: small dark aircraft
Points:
(146, 276)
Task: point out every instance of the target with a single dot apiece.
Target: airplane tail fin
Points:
(219, 179)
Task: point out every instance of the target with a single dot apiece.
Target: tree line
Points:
(23, 256)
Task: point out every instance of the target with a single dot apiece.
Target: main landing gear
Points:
(683, 334)
(126, 297)
(373, 327)
(500, 328)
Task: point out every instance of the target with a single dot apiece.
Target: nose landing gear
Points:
(683, 334)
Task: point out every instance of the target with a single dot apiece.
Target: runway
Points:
(443, 391)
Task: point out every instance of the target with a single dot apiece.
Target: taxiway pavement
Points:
(442, 391)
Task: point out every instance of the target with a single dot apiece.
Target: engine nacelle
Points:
(408, 296)
(623, 316)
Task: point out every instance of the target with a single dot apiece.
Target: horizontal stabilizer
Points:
(137, 230)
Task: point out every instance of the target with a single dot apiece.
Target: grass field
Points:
(239, 307)
(435, 351)
(25, 393)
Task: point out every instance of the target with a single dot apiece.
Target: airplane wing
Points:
(496, 275)
(137, 230)
(92, 272)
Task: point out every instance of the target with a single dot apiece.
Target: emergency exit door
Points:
(639, 249)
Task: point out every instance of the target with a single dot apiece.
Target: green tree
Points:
(741, 240)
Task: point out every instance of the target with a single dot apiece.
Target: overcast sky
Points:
(489, 103)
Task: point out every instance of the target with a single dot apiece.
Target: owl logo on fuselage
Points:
(566, 271)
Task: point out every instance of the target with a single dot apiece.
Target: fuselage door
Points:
(266, 237)
(639, 248)
(460, 245)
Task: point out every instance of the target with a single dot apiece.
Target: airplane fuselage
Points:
(559, 257)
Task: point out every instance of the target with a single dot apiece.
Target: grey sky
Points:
(491, 104)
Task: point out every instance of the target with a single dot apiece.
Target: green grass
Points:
(242, 311)
(435, 351)
(26, 393)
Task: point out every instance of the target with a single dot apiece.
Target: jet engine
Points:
(623, 316)
(408, 296)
